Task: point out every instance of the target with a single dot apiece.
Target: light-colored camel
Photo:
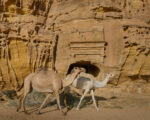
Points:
(46, 81)
(87, 84)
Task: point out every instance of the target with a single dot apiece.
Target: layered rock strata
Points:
(100, 35)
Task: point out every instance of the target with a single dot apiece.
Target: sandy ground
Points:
(115, 108)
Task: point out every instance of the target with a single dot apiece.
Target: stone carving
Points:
(112, 35)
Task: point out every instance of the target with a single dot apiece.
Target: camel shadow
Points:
(73, 100)
(47, 105)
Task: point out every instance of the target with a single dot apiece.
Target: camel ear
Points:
(73, 70)
(112, 75)
(83, 69)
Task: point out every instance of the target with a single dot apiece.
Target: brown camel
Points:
(46, 81)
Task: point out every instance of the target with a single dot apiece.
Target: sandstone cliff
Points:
(100, 35)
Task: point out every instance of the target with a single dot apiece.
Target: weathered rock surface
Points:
(100, 35)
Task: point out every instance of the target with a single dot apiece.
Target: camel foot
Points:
(26, 113)
(78, 109)
(97, 109)
(67, 109)
(38, 112)
(17, 109)
(64, 113)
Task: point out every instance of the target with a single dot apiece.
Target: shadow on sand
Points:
(34, 101)
(73, 100)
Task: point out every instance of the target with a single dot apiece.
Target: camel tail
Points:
(20, 87)
(28, 77)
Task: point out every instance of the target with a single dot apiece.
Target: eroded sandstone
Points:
(100, 35)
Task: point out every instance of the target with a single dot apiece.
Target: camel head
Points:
(110, 75)
(74, 73)
(76, 70)
(82, 69)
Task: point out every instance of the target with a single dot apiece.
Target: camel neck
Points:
(106, 79)
(70, 79)
(98, 84)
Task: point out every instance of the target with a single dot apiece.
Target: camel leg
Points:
(20, 99)
(27, 89)
(93, 98)
(85, 92)
(58, 102)
(65, 97)
(22, 103)
(43, 103)
(65, 102)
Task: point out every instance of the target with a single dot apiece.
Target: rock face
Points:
(100, 35)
